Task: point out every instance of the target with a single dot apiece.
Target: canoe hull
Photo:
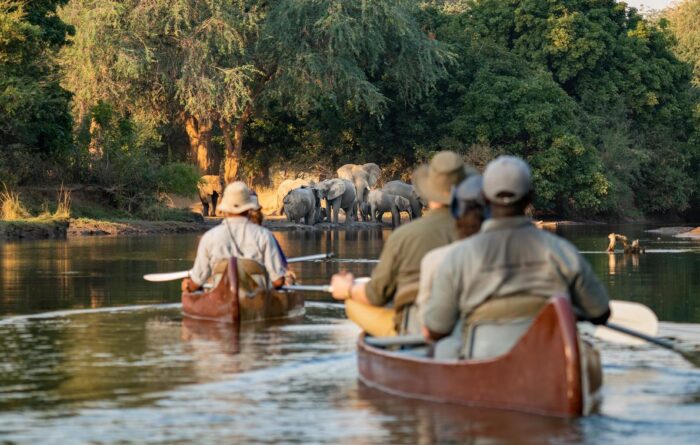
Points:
(528, 378)
(225, 304)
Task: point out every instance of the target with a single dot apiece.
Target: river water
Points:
(91, 353)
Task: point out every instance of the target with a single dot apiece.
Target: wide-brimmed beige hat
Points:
(237, 199)
(434, 182)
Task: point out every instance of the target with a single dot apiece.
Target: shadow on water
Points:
(437, 423)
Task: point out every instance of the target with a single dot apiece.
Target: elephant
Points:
(364, 177)
(285, 187)
(380, 201)
(304, 202)
(210, 188)
(339, 194)
(401, 188)
(374, 172)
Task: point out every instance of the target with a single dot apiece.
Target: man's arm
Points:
(201, 270)
(344, 288)
(442, 308)
(382, 287)
(589, 296)
(273, 261)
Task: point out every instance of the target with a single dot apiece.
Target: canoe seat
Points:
(494, 327)
(406, 319)
(252, 276)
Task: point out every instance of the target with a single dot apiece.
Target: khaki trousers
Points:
(377, 321)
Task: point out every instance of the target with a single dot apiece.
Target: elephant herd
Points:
(354, 191)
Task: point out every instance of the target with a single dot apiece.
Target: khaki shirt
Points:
(510, 256)
(237, 237)
(399, 262)
(428, 266)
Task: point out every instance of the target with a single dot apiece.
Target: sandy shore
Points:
(678, 232)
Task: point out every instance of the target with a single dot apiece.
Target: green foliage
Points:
(34, 109)
(682, 20)
(592, 94)
(620, 69)
(178, 178)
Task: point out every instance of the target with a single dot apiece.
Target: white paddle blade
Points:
(170, 276)
(631, 315)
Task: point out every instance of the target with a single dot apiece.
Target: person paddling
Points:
(399, 262)
(236, 236)
(495, 282)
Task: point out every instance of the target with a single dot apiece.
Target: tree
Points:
(620, 68)
(214, 65)
(682, 19)
(34, 109)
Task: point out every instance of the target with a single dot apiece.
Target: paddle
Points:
(691, 355)
(171, 276)
(629, 315)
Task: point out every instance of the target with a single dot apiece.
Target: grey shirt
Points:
(510, 256)
(236, 236)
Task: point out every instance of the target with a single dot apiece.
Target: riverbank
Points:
(48, 228)
(679, 232)
(54, 228)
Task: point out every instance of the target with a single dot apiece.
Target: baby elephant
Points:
(303, 203)
(380, 202)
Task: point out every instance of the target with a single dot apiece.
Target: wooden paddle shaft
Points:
(320, 256)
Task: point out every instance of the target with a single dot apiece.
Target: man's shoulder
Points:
(424, 224)
(440, 252)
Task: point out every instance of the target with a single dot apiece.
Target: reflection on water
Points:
(137, 371)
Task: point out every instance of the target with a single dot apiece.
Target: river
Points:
(91, 353)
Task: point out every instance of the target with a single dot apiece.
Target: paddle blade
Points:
(170, 276)
(631, 315)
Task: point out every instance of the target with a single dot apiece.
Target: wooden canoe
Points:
(541, 374)
(226, 303)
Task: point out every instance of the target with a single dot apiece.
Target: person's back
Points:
(511, 257)
(237, 237)
(506, 272)
(398, 270)
(399, 262)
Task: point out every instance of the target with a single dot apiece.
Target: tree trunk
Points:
(234, 145)
(199, 134)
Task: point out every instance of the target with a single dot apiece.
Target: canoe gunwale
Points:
(504, 382)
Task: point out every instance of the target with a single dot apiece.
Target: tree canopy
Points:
(603, 102)
(34, 109)
(210, 66)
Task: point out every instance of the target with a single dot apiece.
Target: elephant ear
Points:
(373, 172)
(399, 201)
(336, 189)
(345, 172)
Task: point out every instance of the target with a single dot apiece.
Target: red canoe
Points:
(226, 303)
(541, 374)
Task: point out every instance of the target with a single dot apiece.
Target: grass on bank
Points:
(36, 207)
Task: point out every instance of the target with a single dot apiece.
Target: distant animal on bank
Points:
(285, 187)
(339, 194)
(380, 201)
(210, 188)
(303, 204)
(400, 188)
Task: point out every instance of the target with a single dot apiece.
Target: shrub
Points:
(11, 207)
